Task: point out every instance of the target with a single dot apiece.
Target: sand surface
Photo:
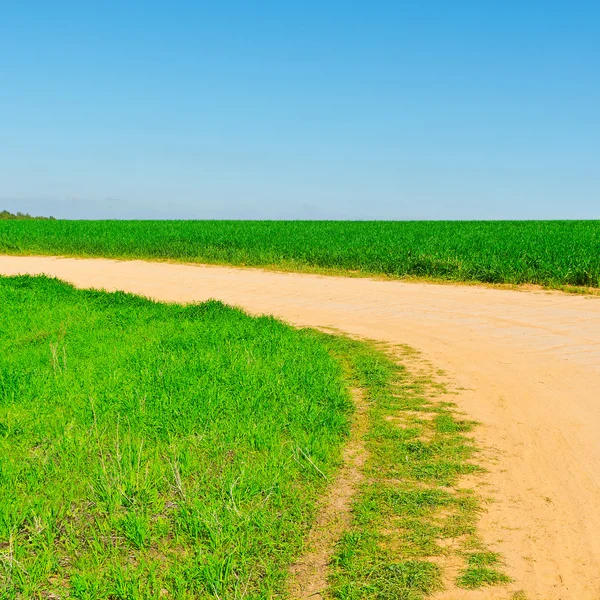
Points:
(528, 363)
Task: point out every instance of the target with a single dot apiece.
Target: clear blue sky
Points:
(394, 110)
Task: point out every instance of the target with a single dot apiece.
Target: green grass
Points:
(482, 569)
(549, 253)
(157, 451)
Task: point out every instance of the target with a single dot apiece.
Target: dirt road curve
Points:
(530, 363)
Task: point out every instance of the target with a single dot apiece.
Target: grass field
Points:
(151, 450)
(549, 253)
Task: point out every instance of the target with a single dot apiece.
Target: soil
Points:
(527, 365)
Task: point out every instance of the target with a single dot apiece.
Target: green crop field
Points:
(549, 253)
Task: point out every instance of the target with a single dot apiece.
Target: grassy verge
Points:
(156, 451)
(414, 517)
(555, 254)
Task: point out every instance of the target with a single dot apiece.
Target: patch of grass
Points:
(411, 511)
(481, 570)
(557, 254)
(151, 450)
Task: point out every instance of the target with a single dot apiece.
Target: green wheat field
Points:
(548, 253)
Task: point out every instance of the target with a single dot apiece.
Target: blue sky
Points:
(386, 110)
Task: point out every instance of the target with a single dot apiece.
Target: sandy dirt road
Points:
(529, 363)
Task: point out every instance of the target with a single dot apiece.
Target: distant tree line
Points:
(5, 216)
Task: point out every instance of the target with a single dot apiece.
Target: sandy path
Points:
(529, 363)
